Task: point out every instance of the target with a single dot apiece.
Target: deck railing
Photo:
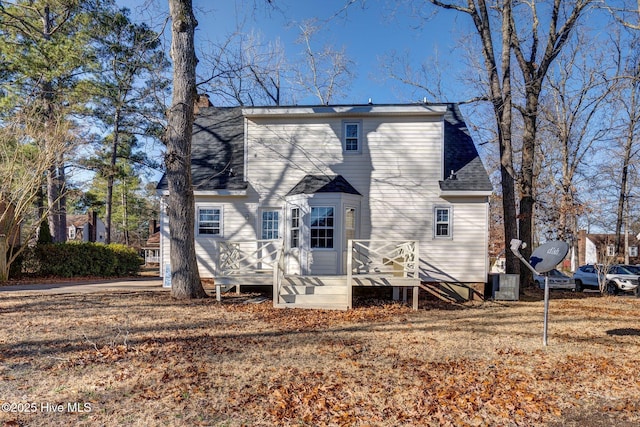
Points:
(397, 257)
(247, 257)
(376, 258)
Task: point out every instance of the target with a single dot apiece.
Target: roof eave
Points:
(465, 193)
(365, 110)
(220, 192)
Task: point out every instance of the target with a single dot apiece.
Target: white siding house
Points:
(313, 178)
(85, 228)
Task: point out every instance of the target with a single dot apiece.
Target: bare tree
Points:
(28, 150)
(623, 11)
(534, 52)
(185, 279)
(243, 70)
(424, 79)
(572, 126)
(326, 73)
(628, 106)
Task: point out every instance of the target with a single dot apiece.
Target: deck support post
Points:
(349, 274)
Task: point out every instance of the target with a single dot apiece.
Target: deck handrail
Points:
(383, 256)
(241, 257)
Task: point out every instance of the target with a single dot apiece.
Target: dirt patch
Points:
(143, 359)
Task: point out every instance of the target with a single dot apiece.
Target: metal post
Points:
(546, 308)
(626, 231)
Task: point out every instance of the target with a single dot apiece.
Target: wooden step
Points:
(314, 306)
(314, 299)
(294, 280)
(245, 280)
(312, 290)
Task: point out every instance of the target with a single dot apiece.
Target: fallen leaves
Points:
(206, 363)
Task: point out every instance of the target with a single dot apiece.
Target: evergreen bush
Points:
(85, 259)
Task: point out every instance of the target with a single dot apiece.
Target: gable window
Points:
(322, 219)
(611, 250)
(633, 251)
(209, 221)
(442, 222)
(351, 137)
(270, 222)
(295, 227)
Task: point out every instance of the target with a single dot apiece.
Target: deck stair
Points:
(321, 292)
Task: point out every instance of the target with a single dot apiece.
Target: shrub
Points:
(85, 259)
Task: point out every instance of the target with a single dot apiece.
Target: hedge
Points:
(82, 259)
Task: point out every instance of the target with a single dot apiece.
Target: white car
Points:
(557, 280)
(618, 278)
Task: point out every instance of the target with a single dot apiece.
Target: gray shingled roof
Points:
(461, 156)
(217, 150)
(312, 184)
(217, 158)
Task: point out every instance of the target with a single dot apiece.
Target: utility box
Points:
(505, 287)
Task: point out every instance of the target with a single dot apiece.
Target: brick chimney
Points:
(202, 101)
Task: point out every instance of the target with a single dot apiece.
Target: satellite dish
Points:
(547, 256)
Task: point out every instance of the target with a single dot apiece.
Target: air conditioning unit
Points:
(506, 287)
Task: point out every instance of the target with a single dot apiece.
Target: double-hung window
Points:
(209, 221)
(295, 227)
(351, 136)
(322, 220)
(442, 222)
(270, 223)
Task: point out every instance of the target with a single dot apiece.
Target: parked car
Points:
(557, 280)
(617, 278)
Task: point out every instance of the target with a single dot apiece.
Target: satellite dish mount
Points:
(544, 259)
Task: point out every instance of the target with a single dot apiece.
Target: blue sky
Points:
(367, 30)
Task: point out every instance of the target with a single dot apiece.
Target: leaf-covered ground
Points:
(143, 359)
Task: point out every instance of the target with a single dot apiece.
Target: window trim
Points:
(220, 221)
(611, 250)
(449, 222)
(333, 228)
(359, 138)
(633, 251)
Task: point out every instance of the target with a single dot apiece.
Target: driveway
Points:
(88, 286)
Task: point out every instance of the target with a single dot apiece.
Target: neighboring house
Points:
(85, 228)
(594, 248)
(151, 249)
(313, 180)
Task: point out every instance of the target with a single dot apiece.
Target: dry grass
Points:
(142, 359)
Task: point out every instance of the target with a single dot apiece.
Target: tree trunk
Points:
(125, 215)
(527, 200)
(185, 280)
(4, 266)
(55, 175)
(111, 171)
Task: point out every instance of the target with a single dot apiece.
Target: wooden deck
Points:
(372, 264)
